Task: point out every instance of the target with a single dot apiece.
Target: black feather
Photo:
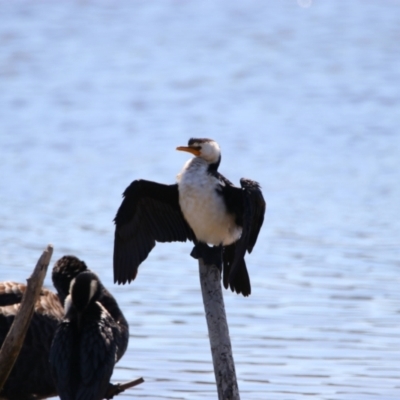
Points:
(249, 206)
(149, 213)
(88, 341)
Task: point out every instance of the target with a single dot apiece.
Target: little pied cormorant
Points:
(86, 344)
(203, 206)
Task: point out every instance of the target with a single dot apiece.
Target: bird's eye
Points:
(197, 147)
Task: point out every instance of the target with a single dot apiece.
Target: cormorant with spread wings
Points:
(203, 206)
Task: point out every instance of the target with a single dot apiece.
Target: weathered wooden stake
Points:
(218, 332)
(16, 335)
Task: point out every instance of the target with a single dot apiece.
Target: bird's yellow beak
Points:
(189, 150)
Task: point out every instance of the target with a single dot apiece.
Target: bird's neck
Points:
(213, 167)
(194, 166)
(197, 166)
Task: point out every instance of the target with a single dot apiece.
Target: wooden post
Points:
(218, 332)
(16, 335)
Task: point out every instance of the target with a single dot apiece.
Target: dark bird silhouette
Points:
(87, 342)
(30, 377)
(67, 268)
(203, 206)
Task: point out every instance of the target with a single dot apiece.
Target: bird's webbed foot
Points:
(210, 255)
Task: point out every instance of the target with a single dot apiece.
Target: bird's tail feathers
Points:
(239, 280)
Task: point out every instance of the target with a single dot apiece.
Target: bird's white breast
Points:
(203, 208)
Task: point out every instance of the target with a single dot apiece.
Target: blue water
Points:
(302, 96)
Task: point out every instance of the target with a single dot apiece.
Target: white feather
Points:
(67, 304)
(210, 151)
(93, 288)
(203, 208)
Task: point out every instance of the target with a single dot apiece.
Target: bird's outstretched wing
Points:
(149, 212)
(250, 215)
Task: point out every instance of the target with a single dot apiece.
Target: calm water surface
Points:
(303, 99)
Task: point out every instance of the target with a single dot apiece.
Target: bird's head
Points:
(66, 269)
(207, 149)
(85, 288)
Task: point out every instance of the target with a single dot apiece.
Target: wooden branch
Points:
(118, 388)
(218, 332)
(16, 335)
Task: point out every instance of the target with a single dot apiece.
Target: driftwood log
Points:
(218, 332)
(16, 335)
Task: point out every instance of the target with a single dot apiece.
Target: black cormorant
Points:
(203, 206)
(31, 376)
(86, 343)
(67, 268)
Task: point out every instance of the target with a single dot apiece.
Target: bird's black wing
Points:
(254, 211)
(108, 301)
(149, 212)
(248, 204)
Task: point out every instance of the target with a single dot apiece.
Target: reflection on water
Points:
(304, 100)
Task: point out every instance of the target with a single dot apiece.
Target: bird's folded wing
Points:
(254, 210)
(253, 217)
(97, 356)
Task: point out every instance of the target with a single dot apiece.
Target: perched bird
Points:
(203, 206)
(64, 270)
(87, 342)
(67, 268)
(32, 367)
(30, 377)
